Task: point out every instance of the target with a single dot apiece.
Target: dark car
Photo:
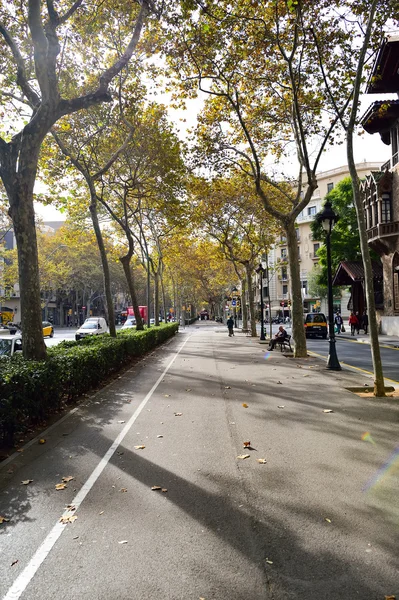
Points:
(316, 325)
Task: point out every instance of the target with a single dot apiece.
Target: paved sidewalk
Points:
(384, 340)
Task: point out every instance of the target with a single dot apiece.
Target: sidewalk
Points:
(384, 340)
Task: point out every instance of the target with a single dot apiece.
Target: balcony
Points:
(313, 256)
(383, 230)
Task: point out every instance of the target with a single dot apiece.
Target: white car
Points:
(92, 326)
(10, 344)
(129, 323)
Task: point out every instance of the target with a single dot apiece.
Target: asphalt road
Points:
(296, 528)
(359, 355)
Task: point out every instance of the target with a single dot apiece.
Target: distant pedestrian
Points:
(353, 323)
(230, 326)
(365, 322)
(358, 322)
(338, 322)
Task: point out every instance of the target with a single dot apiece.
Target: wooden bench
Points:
(285, 344)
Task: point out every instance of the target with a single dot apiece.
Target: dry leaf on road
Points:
(390, 598)
(164, 490)
(178, 414)
(167, 395)
(262, 461)
(269, 562)
(26, 481)
(68, 519)
(139, 447)
(243, 456)
(246, 444)
(328, 410)
(159, 436)
(14, 562)
(123, 490)
(328, 520)
(121, 421)
(4, 520)
(244, 405)
(42, 441)
(60, 486)
(67, 478)
(188, 389)
(156, 488)
(123, 542)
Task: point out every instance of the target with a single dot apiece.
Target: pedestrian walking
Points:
(353, 323)
(365, 322)
(338, 322)
(230, 326)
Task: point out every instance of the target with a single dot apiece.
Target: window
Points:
(285, 290)
(283, 239)
(394, 144)
(283, 253)
(284, 274)
(386, 208)
(315, 248)
(311, 211)
(305, 287)
(297, 233)
(330, 187)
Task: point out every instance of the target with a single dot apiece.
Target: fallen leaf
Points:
(26, 481)
(164, 490)
(328, 520)
(242, 456)
(188, 389)
(139, 447)
(246, 444)
(390, 598)
(14, 562)
(4, 520)
(159, 436)
(227, 387)
(167, 395)
(123, 490)
(156, 487)
(70, 507)
(42, 441)
(178, 414)
(281, 406)
(262, 461)
(279, 382)
(101, 513)
(67, 478)
(60, 486)
(123, 542)
(244, 405)
(327, 410)
(269, 562)
(68, 519)
(121, 421)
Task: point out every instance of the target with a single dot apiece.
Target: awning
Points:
(349, 272)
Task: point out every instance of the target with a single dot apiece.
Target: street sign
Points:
(233, 302)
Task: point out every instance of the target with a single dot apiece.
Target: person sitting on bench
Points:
(279, 338)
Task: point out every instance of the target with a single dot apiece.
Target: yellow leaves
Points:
(328, 520)
(244, 405)
(4, 520)
(389, 597)
(60, 486)
(123, 490)
(246, 444)
(67, 478)
(269, 562)
(177, 414)
(328, 410)
(261, 461)
(42, 441)
(68, 518)
(243, 456)
(139, 447)
(26, 481)
(156, 488)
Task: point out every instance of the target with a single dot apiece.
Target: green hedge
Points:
(30, 390)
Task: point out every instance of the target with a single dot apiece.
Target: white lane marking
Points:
(22, 581)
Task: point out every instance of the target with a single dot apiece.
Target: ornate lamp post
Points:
(259, 269)
(327, 218)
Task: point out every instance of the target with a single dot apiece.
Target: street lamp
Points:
(327, 218)
(261, 270)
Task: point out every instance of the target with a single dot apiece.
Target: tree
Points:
(45, 81)
(266, 102)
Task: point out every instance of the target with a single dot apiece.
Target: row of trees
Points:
(282, 81)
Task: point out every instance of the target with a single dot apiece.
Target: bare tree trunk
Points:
(249, 273)
(298, 330)
(244, 309)
(104, 261)
(379, 384)
(156, 298)
(125, 260)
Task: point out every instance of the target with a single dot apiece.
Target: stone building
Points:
(381, 188)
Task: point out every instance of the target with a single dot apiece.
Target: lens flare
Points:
(389, 466)
(267, 355)
(366, 437)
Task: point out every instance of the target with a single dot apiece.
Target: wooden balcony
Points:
(383, 230)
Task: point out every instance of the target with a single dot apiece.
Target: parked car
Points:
(48, 329)
(316, 325)
(10, 344)
(92, 326)
(129, 323)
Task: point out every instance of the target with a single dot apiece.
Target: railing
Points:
(383, 230)
(385, 166)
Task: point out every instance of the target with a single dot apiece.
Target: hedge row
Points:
(30, 390)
